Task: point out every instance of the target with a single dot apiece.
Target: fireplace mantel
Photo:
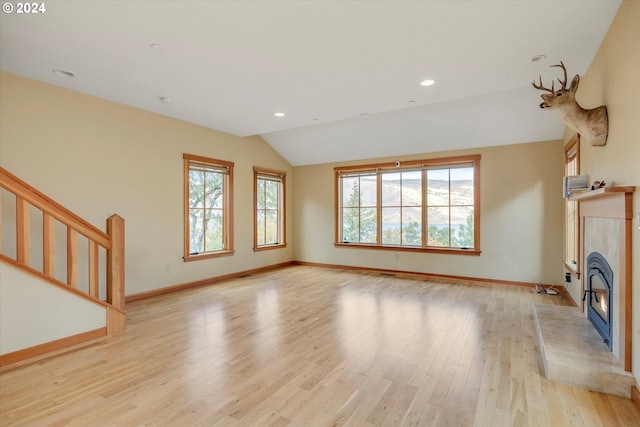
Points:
(613, 202)
(603, 192)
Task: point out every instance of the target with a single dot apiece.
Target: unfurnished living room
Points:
(320, 213)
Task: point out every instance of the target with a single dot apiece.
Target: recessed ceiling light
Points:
(279, 114)
(411, 101)
(63, 73)
(156, 47)
(427, 82)
(537, 58)
(166, 100)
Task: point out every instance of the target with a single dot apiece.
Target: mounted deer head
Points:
(592, 125)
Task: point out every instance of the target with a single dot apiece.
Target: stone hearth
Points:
(574, 353)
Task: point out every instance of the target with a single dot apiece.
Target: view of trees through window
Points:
(440, 198)
(205, 210)
(267, 215)
(206, 191)
(269, 202)
(359, 213)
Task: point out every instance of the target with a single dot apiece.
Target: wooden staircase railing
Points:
(112, 242)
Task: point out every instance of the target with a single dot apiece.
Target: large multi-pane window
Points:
(418, 205)
(269, 221)
(208, 207)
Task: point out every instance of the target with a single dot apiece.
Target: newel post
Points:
(115, 273)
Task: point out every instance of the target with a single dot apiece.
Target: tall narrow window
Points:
(208, 207)
(571, 209)
(418, 205)
(402, 208)
(269, 201)
(358, 208)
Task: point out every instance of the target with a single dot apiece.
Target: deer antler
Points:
(541, 87)
(563, 83)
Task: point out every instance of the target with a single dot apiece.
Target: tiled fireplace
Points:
(590, 346)
(601, 236)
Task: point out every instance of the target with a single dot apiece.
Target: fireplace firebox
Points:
(599, 283)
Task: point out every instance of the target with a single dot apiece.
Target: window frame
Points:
(572, 215)
(280, 177)
(227, 207)
(423, 164)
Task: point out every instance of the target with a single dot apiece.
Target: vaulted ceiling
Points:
(346, 74)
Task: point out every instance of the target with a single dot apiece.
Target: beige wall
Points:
(45, 313)
(613, 80)
(97, 157)
(521, 219)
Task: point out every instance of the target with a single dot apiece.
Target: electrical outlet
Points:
(397, 256)
(167, 268)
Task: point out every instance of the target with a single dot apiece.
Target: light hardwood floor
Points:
(309, 346)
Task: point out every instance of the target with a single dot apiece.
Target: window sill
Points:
(269, 247)
(450, 251)
(208, 255)
(572, 268)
